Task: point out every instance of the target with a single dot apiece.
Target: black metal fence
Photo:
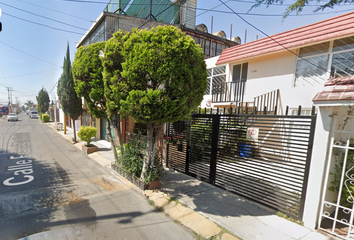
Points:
(265, 158)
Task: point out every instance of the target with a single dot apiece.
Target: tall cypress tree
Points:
(43, 100)
(71, 103)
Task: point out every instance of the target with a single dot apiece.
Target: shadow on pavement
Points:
(30, 191)
(203, 197)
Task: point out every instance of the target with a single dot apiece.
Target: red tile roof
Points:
(337, 89)
(335, 27)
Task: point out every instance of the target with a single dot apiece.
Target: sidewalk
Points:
(210, 211)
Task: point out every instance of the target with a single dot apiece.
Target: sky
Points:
(35, 34)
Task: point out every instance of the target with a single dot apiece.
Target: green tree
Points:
(29, 104)
(299, 5)
(71, 103)
(162, 75)
(88, 79)
(43, 100)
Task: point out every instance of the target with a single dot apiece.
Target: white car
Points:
(12, 117)
(33, 114)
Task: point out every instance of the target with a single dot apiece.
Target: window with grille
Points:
(216, 75)
(318, 62)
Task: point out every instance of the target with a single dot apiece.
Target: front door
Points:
(104, 133)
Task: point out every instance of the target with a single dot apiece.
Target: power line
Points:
(55, 10)
(270, 37)
(26, 74)
(59, 29)
(53, 87)
(271, 15)
(30, 54)
(220, 11)
(43, 16)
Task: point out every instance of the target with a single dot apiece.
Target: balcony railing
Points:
(268, 102)
(228, 92)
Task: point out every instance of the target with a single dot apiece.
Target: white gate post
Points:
(317, 167)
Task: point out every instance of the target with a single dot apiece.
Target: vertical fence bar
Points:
(214, 148)
(189, 126)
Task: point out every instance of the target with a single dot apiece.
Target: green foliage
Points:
(165, 75)
(71, 103)
(155, 171)
(86, 133)
(346, 196)
(29, 104)
(131, 160)
(299, 5)
(114, 86)
(155, 76)
(88, 80)
(43, 100)
(45, 118)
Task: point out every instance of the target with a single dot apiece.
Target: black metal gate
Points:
(265, 158)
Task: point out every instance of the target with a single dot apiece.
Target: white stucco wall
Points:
(317, 167)
(268, 73)
(210, 62)
(277, 71)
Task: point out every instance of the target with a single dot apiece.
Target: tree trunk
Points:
(156, 142)
(111, 140)
(149, 149)
(74, 131)
(116, 125)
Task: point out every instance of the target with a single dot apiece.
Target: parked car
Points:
(33, 114)
(12, 117)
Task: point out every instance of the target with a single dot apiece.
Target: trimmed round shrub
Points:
(86, 133)
(45, 118)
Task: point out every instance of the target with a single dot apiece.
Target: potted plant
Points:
(86, 133)
(154, 173)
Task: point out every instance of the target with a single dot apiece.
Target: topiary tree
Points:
(87, 72)
(162, 78)
(71, 103)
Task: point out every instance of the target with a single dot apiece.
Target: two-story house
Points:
(286, 69)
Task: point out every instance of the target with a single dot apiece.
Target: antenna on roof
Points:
(230, 31)
(150, 15)
(212, 20)
(120, 10)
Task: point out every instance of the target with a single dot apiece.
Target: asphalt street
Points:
(49, 189)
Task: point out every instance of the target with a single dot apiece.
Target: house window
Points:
(343, 58)
(236, 88)
(240, 72)
(317, 63)
(215, 75)
(312, 64)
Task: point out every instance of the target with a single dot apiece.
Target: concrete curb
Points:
(201, 225)
(187, 217)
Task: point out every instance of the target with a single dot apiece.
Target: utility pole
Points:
(11, 95)
(8, 94)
